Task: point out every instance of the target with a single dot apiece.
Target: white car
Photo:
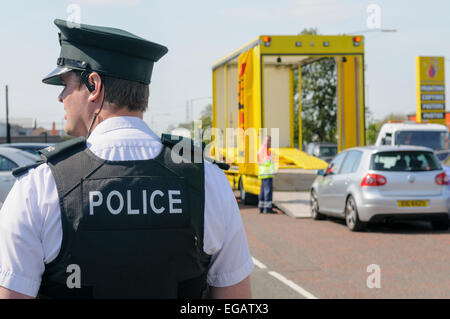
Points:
(11, 158)
(378, 183)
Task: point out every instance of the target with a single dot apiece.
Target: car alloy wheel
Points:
(314, 204)
(351, 216)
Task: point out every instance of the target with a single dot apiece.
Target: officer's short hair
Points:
(123, 93)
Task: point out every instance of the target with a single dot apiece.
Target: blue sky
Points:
(199, 32)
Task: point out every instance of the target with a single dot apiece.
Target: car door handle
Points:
(347, 181)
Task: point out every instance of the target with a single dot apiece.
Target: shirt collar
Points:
(121, 122)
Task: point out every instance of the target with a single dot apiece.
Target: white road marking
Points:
(291, 284)
(258, 263)
(284, 280)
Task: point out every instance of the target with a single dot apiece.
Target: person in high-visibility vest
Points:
(266, 171)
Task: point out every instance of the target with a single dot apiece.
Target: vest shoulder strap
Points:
(171, 140)
(222, 165)
(59, 149)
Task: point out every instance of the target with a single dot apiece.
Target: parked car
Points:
(11, 158)
(446, 167)
(32, 148)
(378, 183)
(324, 151)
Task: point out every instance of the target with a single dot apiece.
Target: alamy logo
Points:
(374, 18)
(74, 18)
(374, 280)
(74, 279)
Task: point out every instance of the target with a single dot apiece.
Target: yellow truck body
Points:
(253, 96)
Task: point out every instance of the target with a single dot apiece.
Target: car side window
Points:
(351, 162)
(357, 161)
(388, 139)
(6, 164)
(336, 163)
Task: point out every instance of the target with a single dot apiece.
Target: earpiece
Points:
(85, 79)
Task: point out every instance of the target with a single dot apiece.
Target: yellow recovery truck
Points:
(253, 95)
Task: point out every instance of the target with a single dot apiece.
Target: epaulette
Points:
(171, 140)
(60, 148)
(19, 171)
(48, 153)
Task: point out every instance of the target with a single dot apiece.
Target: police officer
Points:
(123, 213)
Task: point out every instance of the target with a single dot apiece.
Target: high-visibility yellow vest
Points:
(266, 169)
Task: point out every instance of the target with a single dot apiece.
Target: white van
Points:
(434, 136)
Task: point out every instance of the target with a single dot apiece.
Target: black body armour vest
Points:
(131, 229)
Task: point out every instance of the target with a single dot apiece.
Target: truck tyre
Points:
(247, 198)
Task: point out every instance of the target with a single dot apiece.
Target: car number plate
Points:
(412, 203)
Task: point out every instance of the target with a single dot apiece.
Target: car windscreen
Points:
(442, 156)
(328, 151)
(436, 140)
(447, 161)
(30, 156)
(403, 161)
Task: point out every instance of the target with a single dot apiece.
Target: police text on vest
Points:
(97, 199)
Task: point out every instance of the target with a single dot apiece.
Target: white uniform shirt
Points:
(30, 224)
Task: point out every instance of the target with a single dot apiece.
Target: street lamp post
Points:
(8, 128)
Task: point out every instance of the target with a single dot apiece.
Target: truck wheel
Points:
(351, 216)
(246, 198)
(314, 204)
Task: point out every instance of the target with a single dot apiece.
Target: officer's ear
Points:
(95, 84)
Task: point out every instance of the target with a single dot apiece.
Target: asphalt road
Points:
(303, 258)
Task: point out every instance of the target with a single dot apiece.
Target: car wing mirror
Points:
(329, 170)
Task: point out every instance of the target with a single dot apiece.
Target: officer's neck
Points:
(109, 111)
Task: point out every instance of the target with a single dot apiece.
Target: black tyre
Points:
(351, 216)
(246, 198)
(443, 224)
(314, 205)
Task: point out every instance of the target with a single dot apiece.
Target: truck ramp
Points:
(292, 157)
(294, 204)
(293, 179)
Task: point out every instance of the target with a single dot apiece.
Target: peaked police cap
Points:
(107, 51)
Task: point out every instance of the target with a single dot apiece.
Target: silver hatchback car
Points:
(378, 183)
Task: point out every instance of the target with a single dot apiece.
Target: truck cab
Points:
(324, 151)
(434, 136)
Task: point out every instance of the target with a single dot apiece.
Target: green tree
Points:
(205, 118)
(371, 127)
(374, 126)
(318, 99)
